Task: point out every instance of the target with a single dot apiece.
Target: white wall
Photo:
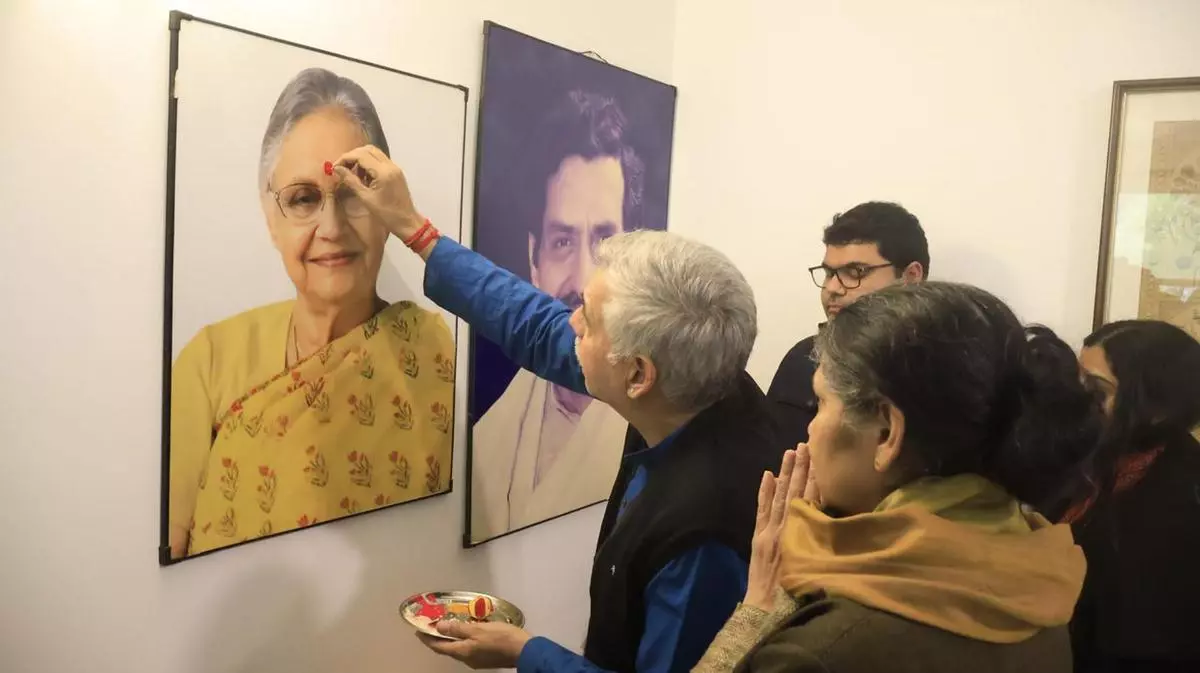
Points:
(82, 140)
(987, 118)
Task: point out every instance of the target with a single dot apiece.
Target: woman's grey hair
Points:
(309, 91)
(980, 392)
(683, 305)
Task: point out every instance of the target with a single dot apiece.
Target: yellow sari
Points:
(364, 423)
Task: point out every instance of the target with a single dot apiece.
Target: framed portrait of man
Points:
(306, 376)
(571, 150)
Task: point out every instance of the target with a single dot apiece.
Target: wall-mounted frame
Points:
(305, 376)
(570, 150)
(1149, 263)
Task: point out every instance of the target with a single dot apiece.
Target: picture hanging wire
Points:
(592, 54)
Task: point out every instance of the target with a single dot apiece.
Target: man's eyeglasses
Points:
(302, 201)
(850, 276)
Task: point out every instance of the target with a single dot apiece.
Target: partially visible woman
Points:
(939, 417)
(326, 405)
(1140, 524)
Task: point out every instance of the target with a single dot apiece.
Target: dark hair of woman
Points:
(1156, 399)
(980, 393)
(1157, 366)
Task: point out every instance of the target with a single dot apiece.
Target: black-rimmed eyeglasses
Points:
(850, 275)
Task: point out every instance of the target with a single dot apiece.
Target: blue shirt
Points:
(689, 599)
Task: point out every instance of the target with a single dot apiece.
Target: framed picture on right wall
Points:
(571, 150)
(1150, 239)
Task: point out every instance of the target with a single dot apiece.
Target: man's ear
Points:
(533, 269)
(640, 378)
(891, 437)
(913, 273)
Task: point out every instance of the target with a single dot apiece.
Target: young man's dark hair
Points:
(587, 125)
(867, 248)
(896, 232)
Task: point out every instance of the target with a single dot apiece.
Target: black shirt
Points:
(1138, 610)
(793, 402)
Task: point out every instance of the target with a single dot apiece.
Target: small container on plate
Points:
(425, 610)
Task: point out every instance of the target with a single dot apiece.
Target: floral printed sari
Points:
(364, 423)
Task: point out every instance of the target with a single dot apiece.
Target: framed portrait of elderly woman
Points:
(1150, 235)
(306, 376)
(571, 150)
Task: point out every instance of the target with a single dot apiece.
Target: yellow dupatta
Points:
(957, 553)
(364, 423)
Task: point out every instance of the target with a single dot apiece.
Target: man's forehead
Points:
(595, 293)
(861, 253)
(586, 192)
(818, 381)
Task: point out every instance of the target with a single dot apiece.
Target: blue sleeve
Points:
(546, 656)
(687, 603)
(531, 327)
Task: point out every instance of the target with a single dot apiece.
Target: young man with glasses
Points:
(868, 247)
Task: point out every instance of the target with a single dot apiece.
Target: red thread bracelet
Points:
(420, 232)
(432, 235)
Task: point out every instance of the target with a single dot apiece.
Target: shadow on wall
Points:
(326, 600)
(265, 621)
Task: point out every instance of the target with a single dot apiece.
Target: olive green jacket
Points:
(822, 634)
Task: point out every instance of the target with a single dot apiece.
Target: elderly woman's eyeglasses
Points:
(302, 201)
(850, 276)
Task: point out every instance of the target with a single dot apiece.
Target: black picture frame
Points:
(489, 28)
(176, 20)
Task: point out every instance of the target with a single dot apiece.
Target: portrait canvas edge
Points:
(176, 19)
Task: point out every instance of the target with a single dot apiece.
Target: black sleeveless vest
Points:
(703, 488)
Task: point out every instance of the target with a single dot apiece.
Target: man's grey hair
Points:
(683, 305)
(309, 91)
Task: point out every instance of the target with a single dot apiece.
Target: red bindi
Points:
(328, 168)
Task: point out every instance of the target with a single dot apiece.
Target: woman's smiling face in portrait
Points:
(331, 250)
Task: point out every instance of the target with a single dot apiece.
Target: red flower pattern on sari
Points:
(400, 471)
(324, 354)
(433, 475)
(266, 490)
(371, 327)
(402, 328)
(228, 524)
(403, 416)
(445, 367)
(254, 424)
(441, 417)
(408, 362)
(317, 399)
(363, 409)
(229, 480)
(281, 426)
(360, 468)
(318, 473)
